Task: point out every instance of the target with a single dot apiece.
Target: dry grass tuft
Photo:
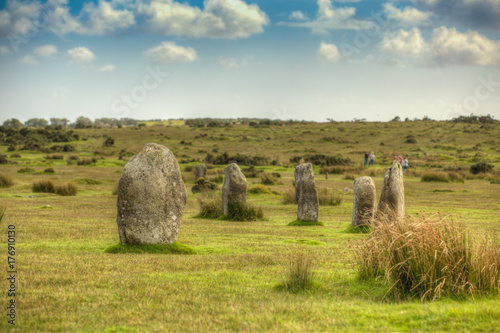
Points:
(298, 274)
(428, 257)
(5, 180)
(43, 186)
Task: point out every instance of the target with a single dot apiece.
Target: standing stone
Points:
(151, 197)
(392, 198)
(235, 186)
(201, 171)
(306, 193)
(365, 202)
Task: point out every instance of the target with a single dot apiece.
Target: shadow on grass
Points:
(299, 223)
(175, 248)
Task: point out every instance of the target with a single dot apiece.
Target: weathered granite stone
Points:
(151, 197)
(201, 171)
(235, 186)
(365, 202)
(306, 193)
(392, 198)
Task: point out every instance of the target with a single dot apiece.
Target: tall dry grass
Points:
(428, 257)
(298, 274)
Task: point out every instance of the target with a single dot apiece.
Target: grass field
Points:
(66, 282)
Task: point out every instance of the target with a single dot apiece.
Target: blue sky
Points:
(308, 59)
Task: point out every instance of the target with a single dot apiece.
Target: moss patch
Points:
(362, 229)
(175, 248)
(298, 223)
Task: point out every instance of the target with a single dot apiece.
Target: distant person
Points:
(366, 158)
(401, 160)
(405, 164)
(372, 158)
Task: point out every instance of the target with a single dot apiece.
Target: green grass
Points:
(300, 223)
(68, 283)
(175, 248)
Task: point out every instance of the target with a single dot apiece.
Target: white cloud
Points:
(4, 50)
(100, 19)
(298, 16)
(218, 19)
(29, 60)
(404, 43)
(169, 52)
(107, 68)
(45, 50)
(408, 17)
(228, 62)
(450, 47)
(332, 18)
(18, 17)
(329, 52)
(81, 54)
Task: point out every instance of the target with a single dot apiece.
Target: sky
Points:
(296, 59)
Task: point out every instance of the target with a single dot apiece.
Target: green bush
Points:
(202, 186)
(210, 206)
(481, 167)
(43, 186)
(238, 211)
(328, 198)
(55, 157)
(5, 180)
(267, 179)
(49, 170)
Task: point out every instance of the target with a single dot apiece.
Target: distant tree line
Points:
(63, 123)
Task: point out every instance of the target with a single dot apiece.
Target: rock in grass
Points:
(201, 172)
(151, 197)
(365, 202)
(235, 186)
(392, 198)
(306, 193)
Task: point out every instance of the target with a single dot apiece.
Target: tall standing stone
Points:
(201, 171)
(365, 202)
(235, 186)
(306, 193)
(151, 197)
(392, 198)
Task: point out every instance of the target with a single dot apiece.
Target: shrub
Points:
(456, 177)
(298, 274)
(319, 159)
(219, 179)
(87, 161)
(203, 185)
(327, 198)
(210, 206)
(481, 167)
(428, 258)
(25, 170)
(66, 189)
(250, 172)
(238, 211)
(73, 157)
(5, 180)
(49, 170)
(267, 179)
(3, 159)
(43, 185)
(289, 197)
(55, 157)
(258, 189)
(15, 155)
(350, 176)
(410, 139)
(109, 142)
(435, 176)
